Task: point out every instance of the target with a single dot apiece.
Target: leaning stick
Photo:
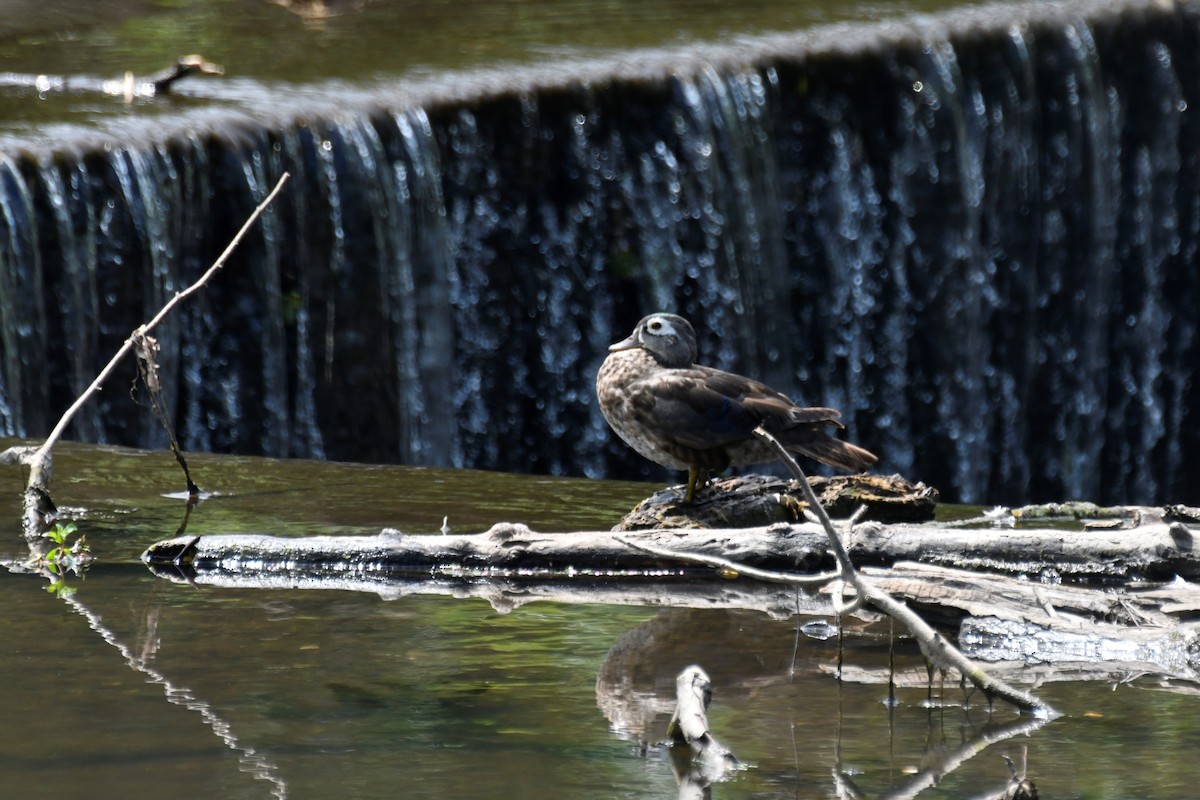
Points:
(39, 462)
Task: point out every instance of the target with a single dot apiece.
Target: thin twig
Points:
(39, 472)
(764, 575)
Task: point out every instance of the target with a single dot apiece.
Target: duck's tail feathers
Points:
(834, 452)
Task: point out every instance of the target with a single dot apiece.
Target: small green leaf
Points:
(60, 532)
(60, 588)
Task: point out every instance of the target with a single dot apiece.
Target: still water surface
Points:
(139, 687)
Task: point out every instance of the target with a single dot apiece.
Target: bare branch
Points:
(39, 463)
(765, 575)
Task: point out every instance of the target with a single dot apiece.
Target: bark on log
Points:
(1159, 551)
(745, 501)
(1071, 628)
(1141, 625)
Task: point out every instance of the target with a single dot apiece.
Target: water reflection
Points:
(140, 656)
(138, 683)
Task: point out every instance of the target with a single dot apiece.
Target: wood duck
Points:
(682, 415)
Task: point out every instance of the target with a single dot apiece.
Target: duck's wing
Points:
(684, 407)
(702, 408)
(769, 407)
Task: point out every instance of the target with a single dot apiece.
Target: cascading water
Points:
(974, 234)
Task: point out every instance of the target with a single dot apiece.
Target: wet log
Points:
(1038, 574)
(1157, 551)
(745, 501)
(994, 616)
(1071, 629)
(712, 761)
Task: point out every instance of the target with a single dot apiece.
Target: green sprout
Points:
(66, 556)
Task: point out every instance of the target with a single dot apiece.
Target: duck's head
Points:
(668, 337)
(196, 64)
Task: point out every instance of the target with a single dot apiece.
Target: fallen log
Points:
(1152, 552)
(1137, 629)
(1005, 587)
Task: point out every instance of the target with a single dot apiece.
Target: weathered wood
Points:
(978, 594)
(745, 501)
(689, 724)
(1127, 621)
(1073, 628)
(1157, 551)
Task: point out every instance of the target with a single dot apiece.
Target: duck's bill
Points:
(625, 344)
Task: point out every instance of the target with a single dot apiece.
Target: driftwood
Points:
(689, 725)
(1151, 552)
(746, 501)
(698, 760)
(984, 585)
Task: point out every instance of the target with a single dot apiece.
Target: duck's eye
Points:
(655, 325)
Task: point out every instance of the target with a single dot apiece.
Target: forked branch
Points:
(39, 461)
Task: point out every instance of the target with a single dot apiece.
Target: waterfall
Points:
(975, 234)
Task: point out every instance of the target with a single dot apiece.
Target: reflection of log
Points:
(760, 660)
(997, 619)
(635, 685)
(506, 595)
(509, 565)
(933, 773)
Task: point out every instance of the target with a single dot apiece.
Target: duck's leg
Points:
(695, 477)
